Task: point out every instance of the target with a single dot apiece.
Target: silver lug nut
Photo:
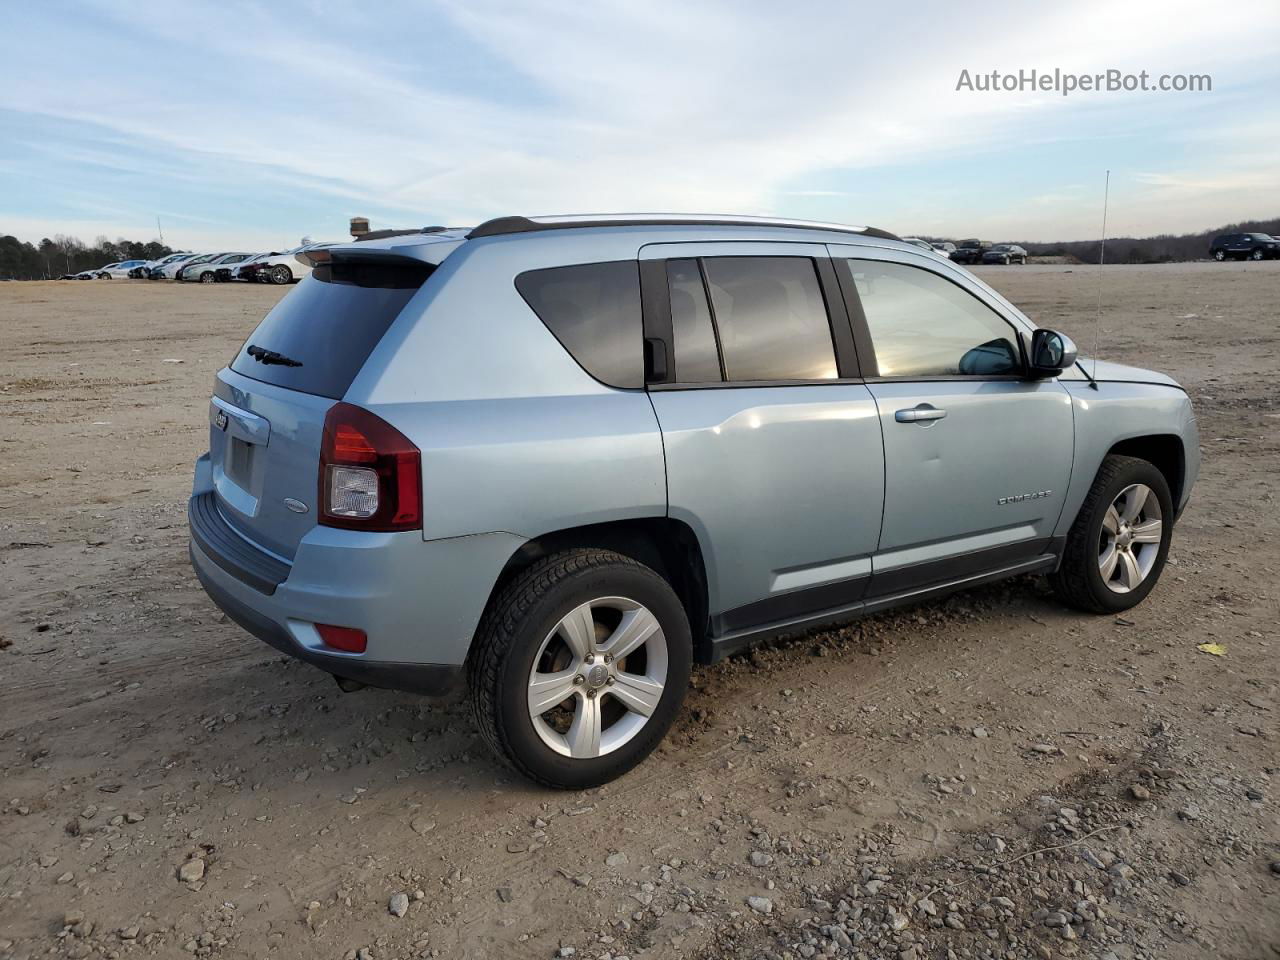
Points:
(608, 658)
(589, 658)
(579, 680)
(591, 694)
(611, 681)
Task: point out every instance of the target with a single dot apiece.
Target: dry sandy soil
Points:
(884, 790)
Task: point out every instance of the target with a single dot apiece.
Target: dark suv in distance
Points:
(1006, 253)
(1244, 246)
(970, 251)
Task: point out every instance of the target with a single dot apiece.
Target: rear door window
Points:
(771, 318)
(593, 309)
(318, 337)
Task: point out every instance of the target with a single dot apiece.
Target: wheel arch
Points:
(1164, 451)
(668, 546)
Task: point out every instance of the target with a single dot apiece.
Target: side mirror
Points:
(1051, 353)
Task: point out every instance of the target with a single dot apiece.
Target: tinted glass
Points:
(697, 359)
(771, 318)
(594, 311)
(925, 326)
(330, 323)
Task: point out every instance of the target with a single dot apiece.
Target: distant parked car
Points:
(93, 274)
(1244, 246)
(917, 242)
(169, 267)
(287, 267)
(1005, 253)
(143, 271)
(945, 247)
(970, 251)
(248, 270)
(227, 266)
(205, 269)
(119, 271)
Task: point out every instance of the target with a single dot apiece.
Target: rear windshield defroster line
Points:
(329, 324)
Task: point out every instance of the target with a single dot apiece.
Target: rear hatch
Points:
(266, 417)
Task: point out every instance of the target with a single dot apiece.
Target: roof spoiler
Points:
(326, 256)
(383, 234)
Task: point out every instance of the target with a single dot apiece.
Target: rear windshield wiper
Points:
(262, 355)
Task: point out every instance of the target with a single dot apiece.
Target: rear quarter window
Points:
(328, 325)
(593, 309)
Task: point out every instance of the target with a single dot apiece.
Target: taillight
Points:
(370, 473)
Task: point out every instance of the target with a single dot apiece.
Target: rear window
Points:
(594, 311)
(318, 337)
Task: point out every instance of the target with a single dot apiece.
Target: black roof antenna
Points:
(1102, 256)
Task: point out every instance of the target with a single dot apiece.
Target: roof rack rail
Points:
(383, 234)
(503, 226)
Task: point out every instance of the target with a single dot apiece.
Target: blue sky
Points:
(250, 125)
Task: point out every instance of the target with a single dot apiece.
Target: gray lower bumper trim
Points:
(432, 679)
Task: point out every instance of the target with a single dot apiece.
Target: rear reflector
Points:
(347, 639)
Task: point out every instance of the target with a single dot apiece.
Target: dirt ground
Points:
(883, 790)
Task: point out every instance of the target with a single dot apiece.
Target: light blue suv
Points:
(561, 459)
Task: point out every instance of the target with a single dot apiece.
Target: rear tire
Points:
(590, 601)
(281, 274)
(1256, 255)
(1219, 255)
(207, 277)
(1110, 562)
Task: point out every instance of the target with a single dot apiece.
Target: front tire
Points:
(281, 275)
(1256, 255)
(579, 667)
(1118, 545)
(1219, 255)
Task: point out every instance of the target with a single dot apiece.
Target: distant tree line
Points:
(52, 258)
(1164, 248)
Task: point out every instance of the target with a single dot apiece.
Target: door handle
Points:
(920, 413)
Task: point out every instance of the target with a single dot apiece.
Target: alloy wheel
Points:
(598, 677)
(1129, 543)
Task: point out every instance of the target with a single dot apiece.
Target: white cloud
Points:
(736, 107)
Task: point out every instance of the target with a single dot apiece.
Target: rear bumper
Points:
(432, 679)
(418, 601)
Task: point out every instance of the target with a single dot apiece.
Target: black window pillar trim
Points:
(849, 358)
(655, 313)
(857, 318)
(715, 323)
